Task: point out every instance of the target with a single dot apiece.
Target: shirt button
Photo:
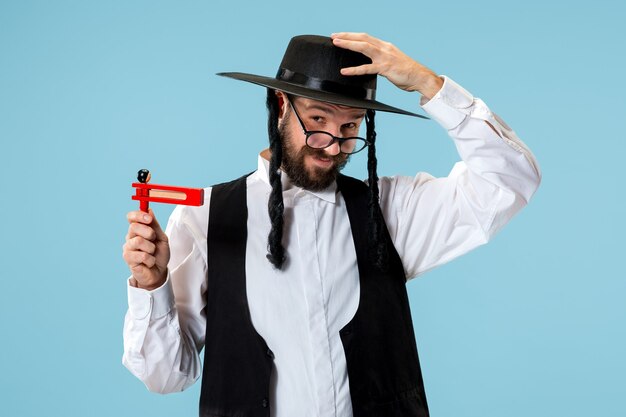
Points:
(265, 403)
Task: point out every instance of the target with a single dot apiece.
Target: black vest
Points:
(379, 342)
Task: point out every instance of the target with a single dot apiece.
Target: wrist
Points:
(147, 286)
(431, 86)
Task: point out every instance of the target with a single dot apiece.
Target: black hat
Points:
(311, 68)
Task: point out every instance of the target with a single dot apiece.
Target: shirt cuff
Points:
(153, 304)
(450, 106)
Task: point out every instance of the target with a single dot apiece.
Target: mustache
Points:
(321, 153)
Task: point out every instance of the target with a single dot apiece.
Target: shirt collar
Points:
(328, 194)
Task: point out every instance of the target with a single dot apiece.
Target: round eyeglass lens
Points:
(321, 140)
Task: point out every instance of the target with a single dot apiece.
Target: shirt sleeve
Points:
(164, 329)
(434, 220)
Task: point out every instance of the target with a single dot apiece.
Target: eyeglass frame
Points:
(340, 141)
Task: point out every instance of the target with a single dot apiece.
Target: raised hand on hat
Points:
(390, 62)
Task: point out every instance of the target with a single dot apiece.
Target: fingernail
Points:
(146, 218)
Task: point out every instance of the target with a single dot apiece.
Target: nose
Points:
(333, 149)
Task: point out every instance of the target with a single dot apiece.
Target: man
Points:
(293, 278)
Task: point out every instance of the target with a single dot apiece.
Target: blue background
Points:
(531, 324)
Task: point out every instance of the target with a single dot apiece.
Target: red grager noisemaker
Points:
(145, 193)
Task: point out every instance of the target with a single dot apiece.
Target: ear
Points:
(282, 105)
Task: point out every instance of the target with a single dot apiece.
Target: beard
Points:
(315, 178)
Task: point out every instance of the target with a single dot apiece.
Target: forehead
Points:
(331, 108)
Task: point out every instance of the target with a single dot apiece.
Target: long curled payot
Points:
(275, 207)
(378, 248)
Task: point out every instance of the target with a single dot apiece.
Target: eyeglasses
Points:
(318, 139)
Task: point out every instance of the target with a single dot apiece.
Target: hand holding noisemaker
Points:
(164, 193)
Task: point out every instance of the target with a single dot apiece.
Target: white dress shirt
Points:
(300, 310)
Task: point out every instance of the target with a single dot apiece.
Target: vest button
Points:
(270, 353)
(265, 403)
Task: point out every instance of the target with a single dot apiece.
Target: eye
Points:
(317, 122)
(349, 126)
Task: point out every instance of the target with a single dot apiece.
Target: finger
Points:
(130, 258)
(141, 273)
(138, 243)
(139, 217)
(135, 258)
(138, 229)
(354, 36)
(360, 70)
(363, 47)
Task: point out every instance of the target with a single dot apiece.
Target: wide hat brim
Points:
(316, 94)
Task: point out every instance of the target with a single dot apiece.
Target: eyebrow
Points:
(329, 110)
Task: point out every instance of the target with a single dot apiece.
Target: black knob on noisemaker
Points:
(143, 176)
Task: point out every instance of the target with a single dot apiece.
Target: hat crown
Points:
(316, 57)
